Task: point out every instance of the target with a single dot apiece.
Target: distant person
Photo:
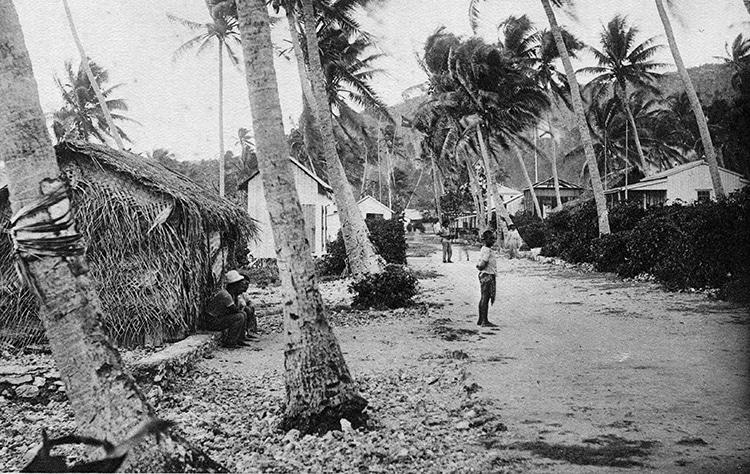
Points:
(463, 246)
(514, 241)
(445, 240)
(487, 266)
(228, 311)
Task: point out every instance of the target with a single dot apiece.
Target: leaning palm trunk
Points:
(222, 169)
(361, 254)
(588, 148)
(695, 104)
(105, 399)
(92, 79)
(555, 178)
(476, 195)
(319, 389)
(534, 199)
(636, 135)
(501, 213)
(436, 185)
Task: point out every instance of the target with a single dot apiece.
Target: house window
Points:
(373, 216)
(704, 195)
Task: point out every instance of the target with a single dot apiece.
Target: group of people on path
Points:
(487, 264)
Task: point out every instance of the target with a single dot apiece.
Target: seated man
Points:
(228, 311)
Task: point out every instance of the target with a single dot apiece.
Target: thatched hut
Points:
(156, 245)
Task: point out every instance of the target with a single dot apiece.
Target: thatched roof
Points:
(155, 240)
(218, 213)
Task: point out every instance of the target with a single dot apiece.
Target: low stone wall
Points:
(31, 383)
(41, 384)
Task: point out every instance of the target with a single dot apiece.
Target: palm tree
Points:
(700, 117)
(225, 32)
(738, 58)
(363, 260)
(320, 390)
(113, 130)
(596, 182)
(623, 65)
(104, 398)
(82, 115)
(555, 83)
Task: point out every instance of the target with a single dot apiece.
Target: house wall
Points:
(367, 206)
(314, 208)
(684, 186)
(370, 206)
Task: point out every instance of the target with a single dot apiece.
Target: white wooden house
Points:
(686, 183)
(369, 207)
(315, 195)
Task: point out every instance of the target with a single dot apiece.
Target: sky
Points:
(176, 102)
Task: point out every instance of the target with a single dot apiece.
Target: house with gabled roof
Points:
(316, 198)
(369, 207)
(687, 183)
(545, 194)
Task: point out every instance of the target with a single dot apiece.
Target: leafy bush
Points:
(570, 232)
(608, 252)
(394, 288)
(387, 236)
(531, 228)
(334, 262)
(389, 240)
(703, 245)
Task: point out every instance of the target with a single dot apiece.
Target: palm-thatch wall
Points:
(154, 239)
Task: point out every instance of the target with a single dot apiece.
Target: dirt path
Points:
(579, 365)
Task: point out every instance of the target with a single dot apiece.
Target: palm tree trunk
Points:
(695, 104)
(636, 136)
(534, 199)
(105, 399)
(92, 79)
(476, 195)
(319, 389)
(555, 178)
(222, 170)
(436, 185)
(501, 213)
(361, 254)
(588, 148)
(364, 176)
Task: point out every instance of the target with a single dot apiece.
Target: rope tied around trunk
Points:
(54, 235)
(51, 234)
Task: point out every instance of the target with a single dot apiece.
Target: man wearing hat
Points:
(228, 311)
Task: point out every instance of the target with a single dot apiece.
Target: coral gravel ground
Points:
(584, 373)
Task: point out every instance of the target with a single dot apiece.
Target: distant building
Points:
(370, 208)
(315, 197)
(545, 194)
(686, 183)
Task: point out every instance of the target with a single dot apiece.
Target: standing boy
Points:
(487, 267)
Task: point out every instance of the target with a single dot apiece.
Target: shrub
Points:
(608, 252)
(389, 240)
(531, 228)
(387, 236)
(394, 288)
(334, 262)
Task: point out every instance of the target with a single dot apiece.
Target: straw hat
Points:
(233, 276)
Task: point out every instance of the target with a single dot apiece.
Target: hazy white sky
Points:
(176, 103)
